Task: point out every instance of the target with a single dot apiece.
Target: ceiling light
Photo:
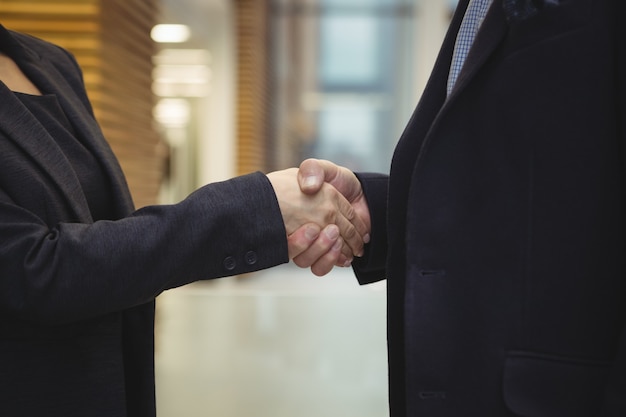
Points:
(170, 33)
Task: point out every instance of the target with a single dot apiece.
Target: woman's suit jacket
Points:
(76, 297)
(503, 238)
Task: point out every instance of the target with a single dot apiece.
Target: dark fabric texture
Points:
(505, 268)
(517, 10)
(375, 256)
(77, 292)
(48, 112)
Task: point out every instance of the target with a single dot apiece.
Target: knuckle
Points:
(302, 262)
(350, 213)
(350, 233)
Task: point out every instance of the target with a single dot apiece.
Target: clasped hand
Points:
(325, 214)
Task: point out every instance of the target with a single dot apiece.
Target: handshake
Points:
(325, 214)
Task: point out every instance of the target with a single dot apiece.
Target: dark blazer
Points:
(504, 234)
(77, 297)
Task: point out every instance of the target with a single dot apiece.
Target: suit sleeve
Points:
(74, 271)
(371, 267)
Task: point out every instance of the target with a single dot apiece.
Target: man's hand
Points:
(312, 175)
(318, 249)
(321, 254)
(324, 206)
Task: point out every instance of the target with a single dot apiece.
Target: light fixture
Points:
(170, 33)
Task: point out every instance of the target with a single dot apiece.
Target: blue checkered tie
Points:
(474, 16)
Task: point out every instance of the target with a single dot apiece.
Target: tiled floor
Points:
(280, 343)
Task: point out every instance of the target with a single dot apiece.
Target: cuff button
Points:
(251, 258)
(230, 263)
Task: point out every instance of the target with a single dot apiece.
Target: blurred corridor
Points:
(334, 79)
(280, 343)
(258, 85)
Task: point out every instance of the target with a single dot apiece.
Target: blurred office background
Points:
(237, 86)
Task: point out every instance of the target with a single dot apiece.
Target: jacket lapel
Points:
(19, 125)
(489, 37)
(72, 98)
(435, 103)
(48, 77)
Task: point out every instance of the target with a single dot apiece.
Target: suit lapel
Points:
(48, 78)
(490, 35)
(19, 125)
(435, 103)
(432, 98)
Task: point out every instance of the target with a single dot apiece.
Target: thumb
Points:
(312, 175)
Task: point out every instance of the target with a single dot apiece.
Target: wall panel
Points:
(111, 41)
(253, 92)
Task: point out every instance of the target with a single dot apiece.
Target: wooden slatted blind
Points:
(111, 41)
(253, 93)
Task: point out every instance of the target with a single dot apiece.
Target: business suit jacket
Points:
(77, 297)
(503, 238)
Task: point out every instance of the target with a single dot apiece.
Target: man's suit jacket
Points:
(504, 233)
(76, 297)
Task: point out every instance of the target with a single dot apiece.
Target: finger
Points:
(357, 213)
(311, 176)
(362, 229)
(325, 242)
(301, 239)
(327, 261)
(351, 227)
(346, 256)
(362, 212)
